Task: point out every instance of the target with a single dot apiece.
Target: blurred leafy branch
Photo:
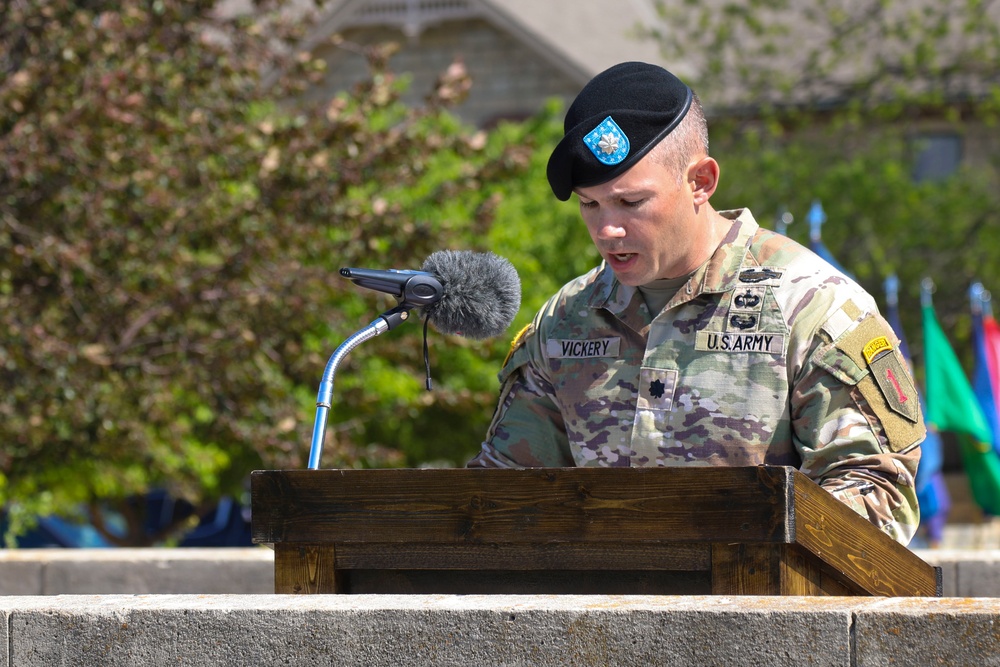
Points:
(170, 229)
(833, 100)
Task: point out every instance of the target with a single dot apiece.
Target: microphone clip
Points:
(413, 289)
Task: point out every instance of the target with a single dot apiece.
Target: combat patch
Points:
(887, 387)
(711, 341)
(586, 348)
(895, 384)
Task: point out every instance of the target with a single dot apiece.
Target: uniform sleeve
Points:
(857, 424)
(527, 429)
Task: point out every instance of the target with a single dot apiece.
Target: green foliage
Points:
(171, 235)
(823, 100)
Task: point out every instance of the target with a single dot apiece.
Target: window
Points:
(936, 156)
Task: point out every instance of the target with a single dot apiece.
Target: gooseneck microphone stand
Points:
(384, 322)
(412, 289)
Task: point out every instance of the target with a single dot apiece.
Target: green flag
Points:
(952, 406)
(951, 403)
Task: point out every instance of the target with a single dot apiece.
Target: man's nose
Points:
(611, 227)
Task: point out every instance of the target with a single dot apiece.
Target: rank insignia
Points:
(657, 389)
(608, 142)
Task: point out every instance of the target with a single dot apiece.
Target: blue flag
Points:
(952, 406)
(932, 493)
(816, 217)
(983, 382)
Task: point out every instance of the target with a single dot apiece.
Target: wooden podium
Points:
(765, 530)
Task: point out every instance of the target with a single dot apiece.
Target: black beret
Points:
(615, 120)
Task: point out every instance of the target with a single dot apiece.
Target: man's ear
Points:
(703, 176)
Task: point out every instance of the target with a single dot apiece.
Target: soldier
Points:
(701, 339)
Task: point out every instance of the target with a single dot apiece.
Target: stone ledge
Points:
(497, 630)
(136, 571)
(966, 573)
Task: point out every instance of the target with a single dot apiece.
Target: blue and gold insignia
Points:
(608, 142)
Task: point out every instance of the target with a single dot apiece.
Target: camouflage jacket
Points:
(768, 355)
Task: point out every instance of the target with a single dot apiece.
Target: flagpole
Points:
(784, 219)
(892, 293)
(976, 298)
(815, 217)
(926, 292)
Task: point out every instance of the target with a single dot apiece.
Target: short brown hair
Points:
(688, 141)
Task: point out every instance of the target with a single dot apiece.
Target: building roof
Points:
(580, 38)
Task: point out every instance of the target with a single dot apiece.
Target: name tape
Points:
(556, 348)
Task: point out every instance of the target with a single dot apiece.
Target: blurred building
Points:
(519, 53)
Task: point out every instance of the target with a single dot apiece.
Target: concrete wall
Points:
(229, 616)
(215, 571)
(136, 571)
(966, 574)
(497, 630)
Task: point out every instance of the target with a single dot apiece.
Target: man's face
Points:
(644, 223)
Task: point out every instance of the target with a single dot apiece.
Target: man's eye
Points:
(588, 204)
(632, 204)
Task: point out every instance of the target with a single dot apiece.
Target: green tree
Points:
(170, 233)
(826, 100)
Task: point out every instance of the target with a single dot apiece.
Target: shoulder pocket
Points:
(866, 358)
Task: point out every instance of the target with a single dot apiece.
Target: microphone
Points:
(462, 292)
(482, 293)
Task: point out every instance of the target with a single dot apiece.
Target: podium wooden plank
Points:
(765, 569)
(765, 530)
(859, 551)
(306, 568)
(521, 506)
(524, 557)
(535, 582)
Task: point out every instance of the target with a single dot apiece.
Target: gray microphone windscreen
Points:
(482, 293)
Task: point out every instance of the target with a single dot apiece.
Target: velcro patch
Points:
(887, 387)
(656, 389)
(712, 341)
(587, 348)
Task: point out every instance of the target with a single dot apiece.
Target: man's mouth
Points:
(622, 256)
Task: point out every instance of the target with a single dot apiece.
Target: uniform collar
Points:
(718, 274)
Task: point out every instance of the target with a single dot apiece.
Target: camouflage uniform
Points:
(767, 355)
